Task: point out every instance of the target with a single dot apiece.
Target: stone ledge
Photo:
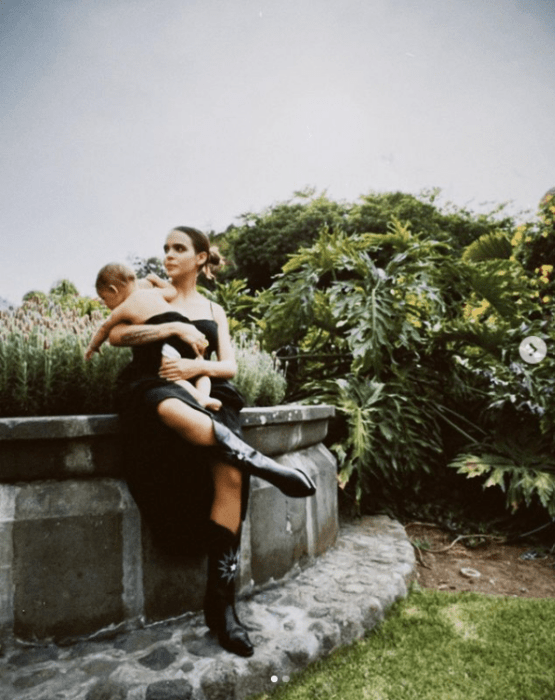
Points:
(53, 427)
(69, 447)
(291, 413)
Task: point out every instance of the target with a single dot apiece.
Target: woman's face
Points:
(181, 258)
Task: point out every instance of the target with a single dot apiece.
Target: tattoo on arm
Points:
(136, 336)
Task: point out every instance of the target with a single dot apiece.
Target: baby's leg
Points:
(202, 397)
(203, 384)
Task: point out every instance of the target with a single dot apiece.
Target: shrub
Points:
(425, 348)
(43, 370)
(258, 377)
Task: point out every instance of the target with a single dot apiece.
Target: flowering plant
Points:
(43, 370)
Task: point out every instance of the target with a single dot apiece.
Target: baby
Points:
(135, 301)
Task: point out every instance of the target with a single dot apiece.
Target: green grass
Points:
(441, 646)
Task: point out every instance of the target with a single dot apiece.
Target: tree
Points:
(35, 295)
(147, 266)
(64, 288)
(260, 246)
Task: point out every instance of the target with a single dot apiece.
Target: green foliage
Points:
(35, 295)
(65, 295)
(416, 346)
(535, 241)
(237, 303)
(487, 247)
(333, 299)
(259, 246)
(525, 481)
(64, 288)
(369, 448)
(455, 225)
(147, 266)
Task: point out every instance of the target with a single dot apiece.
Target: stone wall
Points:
(74, 557)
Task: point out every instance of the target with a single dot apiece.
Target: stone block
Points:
(279, 536)
(67, 558)
(324, 506)
(75, 555)
(280, 430)
(172, 585)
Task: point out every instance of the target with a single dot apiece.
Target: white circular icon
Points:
(533, 349)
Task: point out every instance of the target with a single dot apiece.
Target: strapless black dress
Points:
(170, 478)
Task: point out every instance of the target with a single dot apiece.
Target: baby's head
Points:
(114, 283)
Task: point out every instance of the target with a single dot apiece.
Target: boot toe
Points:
(300, 485)
(237, 643)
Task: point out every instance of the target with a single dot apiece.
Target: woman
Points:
(187, 466)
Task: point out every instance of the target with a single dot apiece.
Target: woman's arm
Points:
(225, 367)
(124, 334)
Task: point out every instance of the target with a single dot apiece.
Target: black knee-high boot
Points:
(219, 602)
(292, 482)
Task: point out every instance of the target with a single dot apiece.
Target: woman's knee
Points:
(179, 415)
(168, 410)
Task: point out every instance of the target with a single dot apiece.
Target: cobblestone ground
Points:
(304, 617)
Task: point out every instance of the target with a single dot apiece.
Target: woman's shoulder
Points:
(218, 311)
(213, 309)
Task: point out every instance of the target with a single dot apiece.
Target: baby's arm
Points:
(168, 291)
(156, 281)
(117, 316)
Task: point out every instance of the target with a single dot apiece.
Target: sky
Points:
(120, 119)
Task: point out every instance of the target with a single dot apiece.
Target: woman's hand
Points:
(182, 368)
(192, 336)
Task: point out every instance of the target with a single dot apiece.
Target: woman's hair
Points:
(114, 274)
(201, 244)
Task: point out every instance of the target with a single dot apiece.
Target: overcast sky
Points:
(122, 118)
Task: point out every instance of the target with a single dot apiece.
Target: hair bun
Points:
(214, 257)
(213, 263)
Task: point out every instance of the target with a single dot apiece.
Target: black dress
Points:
(170, 478)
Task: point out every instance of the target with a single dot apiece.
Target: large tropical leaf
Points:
(503, 284)
(490, 246)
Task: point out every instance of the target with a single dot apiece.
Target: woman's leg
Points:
(224, 540)
(226, 506)
(198, 428)
(224, 528)
(193, 426)
(219, 602)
